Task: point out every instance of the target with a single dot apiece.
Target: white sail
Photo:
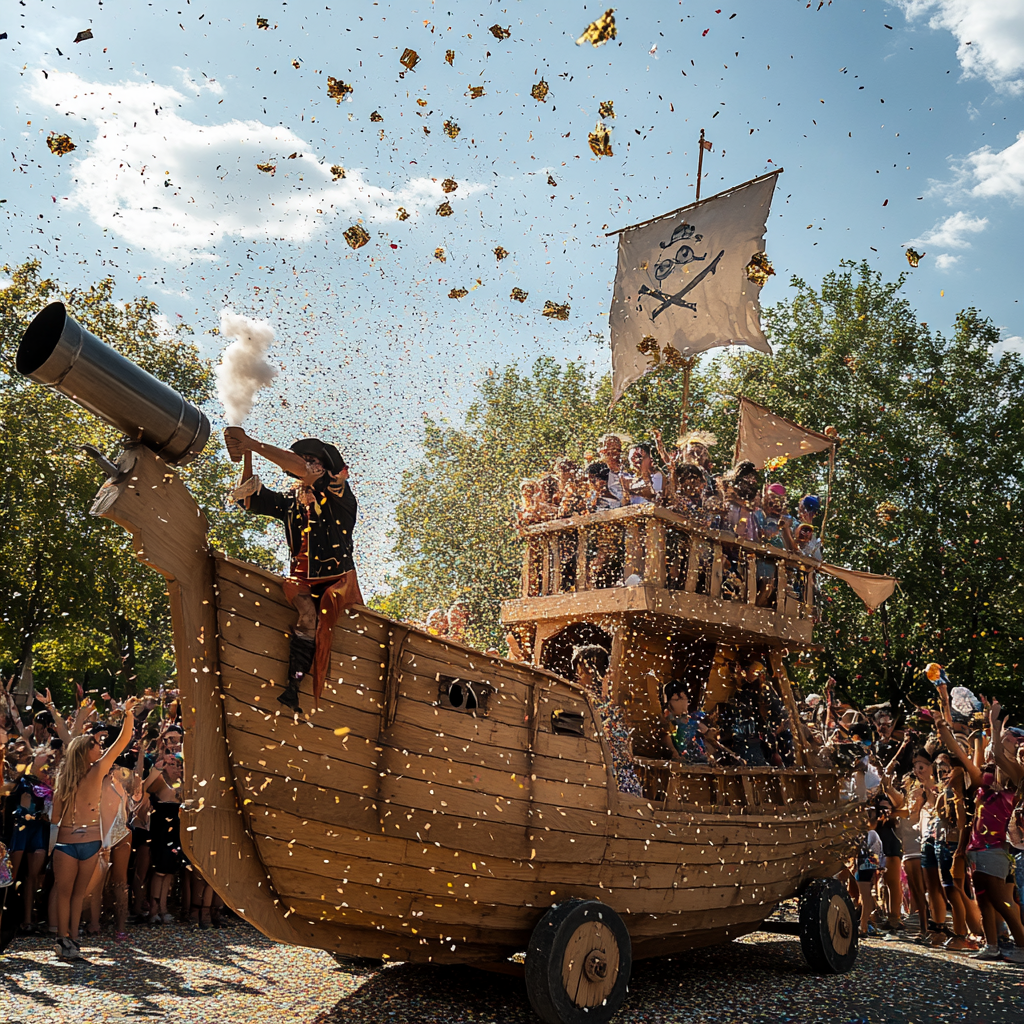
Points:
(682, 284)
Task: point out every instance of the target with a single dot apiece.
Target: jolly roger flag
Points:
(683, 285)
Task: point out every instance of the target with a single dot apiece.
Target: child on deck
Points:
(686, 732)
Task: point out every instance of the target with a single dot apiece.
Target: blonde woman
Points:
(76, 811)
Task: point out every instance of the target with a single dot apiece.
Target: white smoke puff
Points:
(243, 368)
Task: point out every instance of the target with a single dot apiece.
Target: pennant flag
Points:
(682, 286)
(869, 587)
(764, 436)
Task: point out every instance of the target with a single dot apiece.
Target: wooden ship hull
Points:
(439, 801)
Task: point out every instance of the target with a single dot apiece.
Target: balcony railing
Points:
(644, 544)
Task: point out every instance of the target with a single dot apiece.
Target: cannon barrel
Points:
(63, 355)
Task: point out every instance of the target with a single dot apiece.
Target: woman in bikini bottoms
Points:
(76, 809)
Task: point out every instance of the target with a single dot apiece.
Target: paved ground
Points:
(220, 977)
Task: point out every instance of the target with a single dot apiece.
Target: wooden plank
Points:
(582, 539)
(654, 559)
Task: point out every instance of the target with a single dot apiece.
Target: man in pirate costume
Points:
(319, 515)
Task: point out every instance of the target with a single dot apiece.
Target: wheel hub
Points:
(595, 966)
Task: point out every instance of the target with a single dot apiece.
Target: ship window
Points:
(463, 694)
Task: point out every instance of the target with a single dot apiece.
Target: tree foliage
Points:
(929, 424)
(71, 590)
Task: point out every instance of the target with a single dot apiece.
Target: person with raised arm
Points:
(319, 516)
(76, 826)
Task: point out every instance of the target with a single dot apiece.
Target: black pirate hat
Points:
(328, 455)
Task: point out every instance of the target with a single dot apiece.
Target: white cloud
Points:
(996, 174)
(1015, 343)
(5, 283)
(944, 261)
(989, 33)
(197, 85)
(177, 188)
(950, 233)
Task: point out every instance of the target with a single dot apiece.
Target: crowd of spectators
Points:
(89, 831)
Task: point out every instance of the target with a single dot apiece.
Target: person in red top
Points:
(319, 516)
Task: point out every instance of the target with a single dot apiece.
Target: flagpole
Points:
(700, 160)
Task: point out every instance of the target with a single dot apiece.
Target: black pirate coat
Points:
(332, 518)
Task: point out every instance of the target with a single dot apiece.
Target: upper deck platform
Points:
(642, 558)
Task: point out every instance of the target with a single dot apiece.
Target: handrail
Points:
(666, 550)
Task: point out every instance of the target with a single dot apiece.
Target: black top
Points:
(332, 518)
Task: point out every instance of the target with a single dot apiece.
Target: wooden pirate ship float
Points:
(443, 805)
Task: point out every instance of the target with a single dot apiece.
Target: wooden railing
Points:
(644, 544)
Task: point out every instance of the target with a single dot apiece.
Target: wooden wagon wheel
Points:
(578, 963)
(828, 927)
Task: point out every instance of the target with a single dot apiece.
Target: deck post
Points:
(582, 582)
(779, 671)
(654, 558)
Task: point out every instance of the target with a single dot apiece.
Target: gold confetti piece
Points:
(600, 31)
(450, 57)
(293, 156)
(262, 23)
(445, 209)
(607, 110)
(457, 293)
(540, 91)
(519, 295)
(500, 33)
(343, 731)
(554, 311)
(337, 172)
(476, 91)
(375, 116)
(760, 268)
(356, 236)
(267, 168)
(914, 257)
(59, 144)
(402, 213)
(500, 253)
(296, 65)
(421, 103)
(449, 185)
(409, 59)
(552, 182)
(83, 35)
(337, 90)
(451, 129)
(600, 140)
(440, 255)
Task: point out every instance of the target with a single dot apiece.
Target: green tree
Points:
(927, 478)
(73, 595)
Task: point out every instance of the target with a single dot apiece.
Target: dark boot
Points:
(300, 659)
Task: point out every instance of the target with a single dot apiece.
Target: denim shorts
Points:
(30, 836)
(939, 856)
(995, 862)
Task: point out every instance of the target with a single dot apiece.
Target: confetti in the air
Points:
(458, 293)
(409, 59)
(540, 91)
(439, 254)
(449, 56)
(337, 172)
(606, 110)
(356, 236)
(476, 91)
(449, 185)
(519, 295)
(402, 213)
(376, 116)
(760, 268)
(500, 33)
(267, 168)
(83, 35)
(554, 311)
(914, 257)
(451, 129)
(59, 144)
(262, 23)
(296, 65)
(600, 140)
(337, 90)
(552, 182)
(500, 253)
(445, 209)
(342, 731)
(600, 31)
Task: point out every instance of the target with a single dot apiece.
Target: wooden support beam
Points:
(582, 583)
(779, 671)
(654, 557)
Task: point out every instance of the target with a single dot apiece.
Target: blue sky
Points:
(895, 123)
